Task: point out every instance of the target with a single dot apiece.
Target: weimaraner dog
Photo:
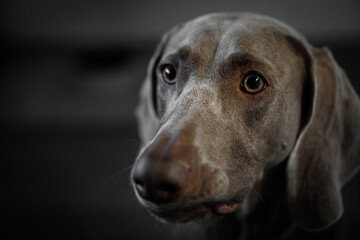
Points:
(239, 115)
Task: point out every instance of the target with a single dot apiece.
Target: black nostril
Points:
(138, 181)
(139, 185)
(141, 189)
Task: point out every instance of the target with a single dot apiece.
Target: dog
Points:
(239, 116)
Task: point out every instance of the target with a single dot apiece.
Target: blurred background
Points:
(69, 85)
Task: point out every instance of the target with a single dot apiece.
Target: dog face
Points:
(226, 97)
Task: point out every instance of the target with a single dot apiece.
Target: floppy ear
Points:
(146, 115)
(327, 151)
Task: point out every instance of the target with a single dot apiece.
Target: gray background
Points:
(70, 77)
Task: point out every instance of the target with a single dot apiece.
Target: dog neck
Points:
(268, 214)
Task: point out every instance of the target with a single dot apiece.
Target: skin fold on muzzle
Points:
(228, 96)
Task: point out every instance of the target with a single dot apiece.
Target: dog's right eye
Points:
(169, 74)
(253, 83)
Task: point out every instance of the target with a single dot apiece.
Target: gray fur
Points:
(309, 115)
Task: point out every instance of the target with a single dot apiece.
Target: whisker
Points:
(259, 195)
(119, 173)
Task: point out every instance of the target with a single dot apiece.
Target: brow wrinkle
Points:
(184, 53)
(240, 58)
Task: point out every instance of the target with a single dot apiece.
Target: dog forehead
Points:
(220, 35)
(223, 23)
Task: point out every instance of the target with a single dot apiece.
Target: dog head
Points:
(228, 96)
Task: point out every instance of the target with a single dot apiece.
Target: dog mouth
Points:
(195, 212)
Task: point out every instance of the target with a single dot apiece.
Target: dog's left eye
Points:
(169, 74)
(253, 83)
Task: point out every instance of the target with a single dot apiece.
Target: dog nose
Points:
(159, 183)
(162, 170)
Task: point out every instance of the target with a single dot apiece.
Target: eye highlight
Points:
(168, 73)
(253, 83)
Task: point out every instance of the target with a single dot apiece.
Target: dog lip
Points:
(183, 214)
(225, 208)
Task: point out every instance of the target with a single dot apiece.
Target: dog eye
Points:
(253, 83)
(169, 74)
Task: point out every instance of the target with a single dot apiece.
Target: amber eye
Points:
(169, 74)
(253, 83)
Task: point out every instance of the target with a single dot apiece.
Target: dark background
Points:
(69, 84)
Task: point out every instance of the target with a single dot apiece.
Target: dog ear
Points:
(146, 110)
(326, 153)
